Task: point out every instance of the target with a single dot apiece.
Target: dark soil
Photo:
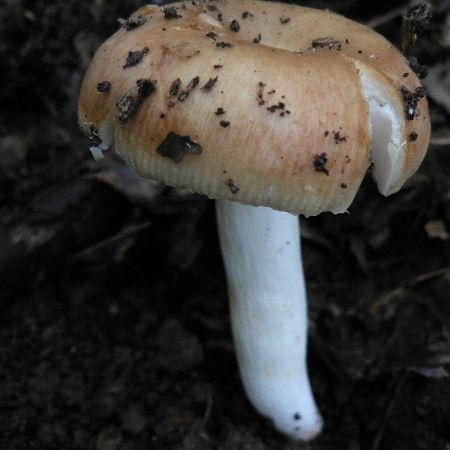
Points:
(114, 332)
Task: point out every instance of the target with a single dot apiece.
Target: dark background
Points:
(114, 331)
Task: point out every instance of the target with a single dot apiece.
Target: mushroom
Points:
(271, 128)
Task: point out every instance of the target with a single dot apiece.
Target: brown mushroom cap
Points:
(282, 123)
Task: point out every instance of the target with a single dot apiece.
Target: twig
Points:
(324, 355)
(414, 20)
(428, 276)
(438, 141)
(208, 409)
(390, 15)
(389, 410)
(122, 234)
(51, 108)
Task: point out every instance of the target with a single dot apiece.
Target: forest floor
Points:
(114, 331)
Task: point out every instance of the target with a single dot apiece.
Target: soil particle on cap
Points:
(247, 14)
(104, 86)
(260, 94)
(170, 13)
(212, 8)
(210, 84)
(224, 123)
(224, 45)
(211, 35)
(326, 133)
(219, 111)
(234, 26)
(176, 147)
(419, 70)
(284, 20)
(93, 136)
(338, 138)
(183, 96)
(344, 186)
(174, 87)
(413, 136)
(319, 163)
(220, 17)
(278, 107)
(145, 87)
(233, 188)
(170, 103)
(406, 75)
(411, 99)
(136, 57)
(414, 20)
(218, 66)
(193, 83)
(133, 22)
(328, 41)
(129, 104)
(182, 49)
(257, 39)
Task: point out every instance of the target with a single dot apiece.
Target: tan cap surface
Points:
(233, 119)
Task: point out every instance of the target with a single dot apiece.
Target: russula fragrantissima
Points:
(273, 110)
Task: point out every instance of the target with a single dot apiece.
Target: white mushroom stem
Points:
(262, 257)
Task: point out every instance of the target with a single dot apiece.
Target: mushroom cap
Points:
(292, 122)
